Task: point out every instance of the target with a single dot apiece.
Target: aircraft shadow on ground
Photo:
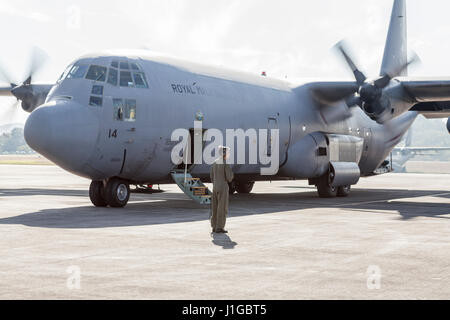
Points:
(167, 208)
(41, 192)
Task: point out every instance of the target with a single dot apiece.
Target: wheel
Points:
(117, 193)
(245, 187)
(232, 187)
(324, 189)
(97, 194)
(343, 191)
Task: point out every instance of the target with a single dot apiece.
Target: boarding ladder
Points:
(192, 187)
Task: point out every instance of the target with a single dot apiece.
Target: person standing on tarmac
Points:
(221, 174)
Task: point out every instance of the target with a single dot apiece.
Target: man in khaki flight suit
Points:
(221, 174)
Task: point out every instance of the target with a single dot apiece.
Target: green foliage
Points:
(430, 133)
(14, 142)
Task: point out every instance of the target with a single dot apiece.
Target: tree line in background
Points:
(14, 143)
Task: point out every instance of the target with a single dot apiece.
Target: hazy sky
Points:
(286, 38)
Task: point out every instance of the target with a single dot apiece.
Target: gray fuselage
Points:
(89, 140)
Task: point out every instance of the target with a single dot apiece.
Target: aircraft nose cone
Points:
(65, 133)
(37, 131)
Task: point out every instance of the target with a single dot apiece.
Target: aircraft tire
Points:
(117, 193)
(324, 189)
(245, 187)
(96, 194)
(343, 191)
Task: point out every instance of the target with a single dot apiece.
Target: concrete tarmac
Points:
(389, 240)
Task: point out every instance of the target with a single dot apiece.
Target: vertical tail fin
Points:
(395, 51)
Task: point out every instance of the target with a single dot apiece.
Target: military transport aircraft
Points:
(109, 117)
(402, 154)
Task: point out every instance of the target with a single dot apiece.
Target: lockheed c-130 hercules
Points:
(110, 116)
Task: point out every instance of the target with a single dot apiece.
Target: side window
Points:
(77, 72)
(95, 101)
(130, 110)
(139, 80)
(113, 76)
(125, 79)
(98, 90)
(124, 111)
(118, 109)
(97, 73)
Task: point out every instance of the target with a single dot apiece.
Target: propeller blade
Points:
(383, 82)
(37, 61)
(10, 112)
(354, 101)
(334, 113)
(5, 77)
(342, 48)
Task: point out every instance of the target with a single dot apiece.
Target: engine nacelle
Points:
(311, 156)
(31, 96)
(307, 158)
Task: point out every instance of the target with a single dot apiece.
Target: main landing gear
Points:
(241, 186)
(325, 189)
(115, 193)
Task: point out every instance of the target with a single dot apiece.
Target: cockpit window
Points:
(134, 66)
(139, 80)
(125, 79)
(97, 73)
(115, 64)
(77, 71)
(64, 74)
(124, 65)
(113, 76)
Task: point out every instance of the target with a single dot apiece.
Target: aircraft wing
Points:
(330, 92)
(432, 96)
(430, 110)
(5, 91)
(427, 90)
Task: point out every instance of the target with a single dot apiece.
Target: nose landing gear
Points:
(244, 186)
(115, 193)
(97, 194)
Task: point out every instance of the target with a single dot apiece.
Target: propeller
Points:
(10, 112)
(370, 95)
(25, 93)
